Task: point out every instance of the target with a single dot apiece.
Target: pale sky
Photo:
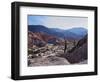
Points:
(61, 22)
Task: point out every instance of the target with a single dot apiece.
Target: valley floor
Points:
(48, 56)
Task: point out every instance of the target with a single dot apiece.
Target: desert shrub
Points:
(30, 51)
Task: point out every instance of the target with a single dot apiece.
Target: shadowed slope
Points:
(79, 52)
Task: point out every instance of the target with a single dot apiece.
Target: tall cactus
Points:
(74, 43)
(65, 45)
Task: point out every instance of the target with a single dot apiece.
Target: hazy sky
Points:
(58, 21)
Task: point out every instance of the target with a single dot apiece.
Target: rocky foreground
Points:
(52, 55)
(48, 55)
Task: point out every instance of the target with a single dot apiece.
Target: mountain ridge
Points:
(73, 33)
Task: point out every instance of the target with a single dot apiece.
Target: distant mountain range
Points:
(74, 33)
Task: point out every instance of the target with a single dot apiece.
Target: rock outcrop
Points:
(41, 39)
(78, 53)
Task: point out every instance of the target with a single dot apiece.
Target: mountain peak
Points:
(73, 33)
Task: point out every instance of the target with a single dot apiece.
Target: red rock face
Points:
(40, 37)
